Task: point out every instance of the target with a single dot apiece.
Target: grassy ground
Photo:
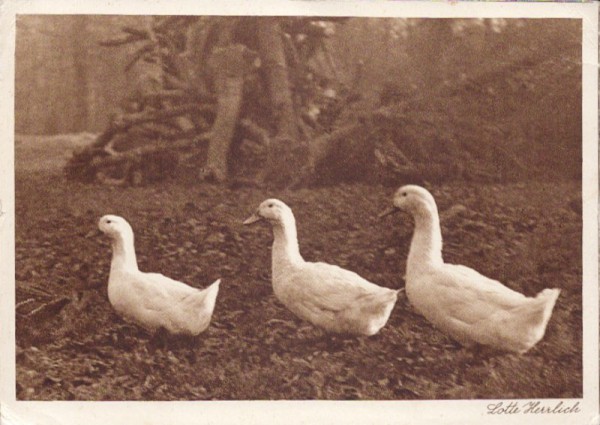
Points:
(526, 235)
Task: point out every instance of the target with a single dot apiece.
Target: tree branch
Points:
(119, 41)
(128, 120)
(135, 154)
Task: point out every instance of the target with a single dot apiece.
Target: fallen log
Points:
(318, 148)
(128, 120)
(158, 146)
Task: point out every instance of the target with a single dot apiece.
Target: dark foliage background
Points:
(445, 99)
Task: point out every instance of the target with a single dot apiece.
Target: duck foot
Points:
(479, 355)
(126, 336)
(129, 330)
(158, 341)
(188, 342)
(162, 340)
(339, 342)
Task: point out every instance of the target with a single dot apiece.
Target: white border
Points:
(294, 412)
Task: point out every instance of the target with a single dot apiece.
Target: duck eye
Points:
(108, 221)
(404, 194)
(270, 205)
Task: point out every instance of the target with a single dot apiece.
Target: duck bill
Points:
(252, 219)
(94, 233)
(389, 211)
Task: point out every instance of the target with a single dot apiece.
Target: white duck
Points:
(460, 301)
(327, 296)
(152, 300)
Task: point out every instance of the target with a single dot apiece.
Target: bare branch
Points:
(139, 54)
(126, 121)
(119, 41)
(135, 154)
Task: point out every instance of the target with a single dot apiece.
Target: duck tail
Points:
(210, 295)
(531, 320)
(392, 295)
(546, 300)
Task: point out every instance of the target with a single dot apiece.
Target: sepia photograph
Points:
(304, 207)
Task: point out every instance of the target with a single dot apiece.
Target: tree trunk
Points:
(429, 50)
(273, 55)
(80, 64)
(229, 65)
(285, 147)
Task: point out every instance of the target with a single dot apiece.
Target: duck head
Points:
(272, 210)
(412, 199)
(115, 226)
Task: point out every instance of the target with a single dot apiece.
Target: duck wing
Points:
(332, 288)
(159, 292)
(468, 296)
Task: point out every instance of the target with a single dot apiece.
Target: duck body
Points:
(461, 302)
(152, 300)
(328, 296)
(472, 308)
(332, 298)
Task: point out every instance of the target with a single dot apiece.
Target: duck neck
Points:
(426, 246)
(123, 257)
(285, 243)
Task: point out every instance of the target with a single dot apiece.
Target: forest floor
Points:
(528, 235)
